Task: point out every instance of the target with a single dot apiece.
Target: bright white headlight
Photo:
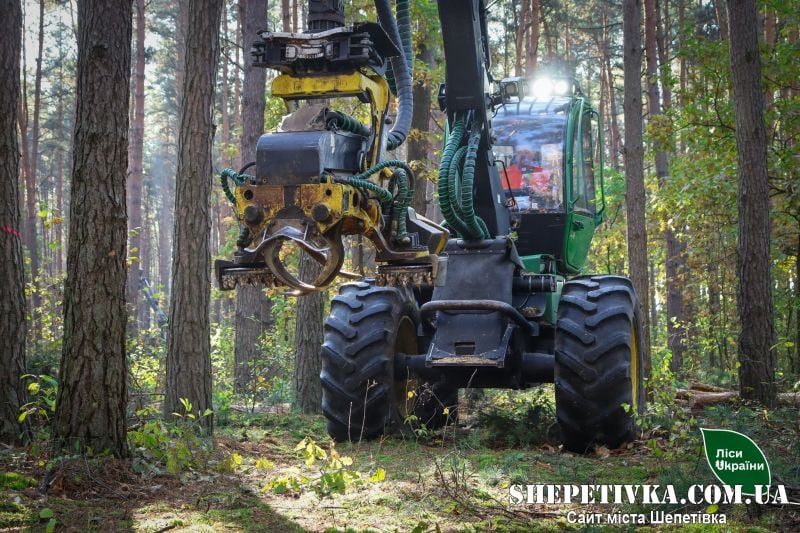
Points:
(542, 87)
(561, 87)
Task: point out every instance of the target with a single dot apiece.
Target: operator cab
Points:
(545, 151)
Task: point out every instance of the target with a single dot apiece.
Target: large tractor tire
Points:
(367, 326)
(436, 405)
(598, 362)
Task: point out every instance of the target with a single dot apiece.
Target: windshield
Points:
(529, 140)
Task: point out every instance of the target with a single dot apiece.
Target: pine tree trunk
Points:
(286, 15)
(418, 144)
(12, 286)
(533, 41)
(722, 19)
(237, 83)
(32, 208)
(226, 124)
(634, 165)
(90, 410)
(757, 336)
(253, 320)
(675, 329)
(144, 308)
(134, 192)
(612, 97)
(253, 308)
(307, 342)
(165, 228)
(62, 132)
(522, 30)
(713, 314)
(189, 342)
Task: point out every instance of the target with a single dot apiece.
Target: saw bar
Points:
(402, 275)
(231, 275)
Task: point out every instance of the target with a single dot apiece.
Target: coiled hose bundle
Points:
(456, 180)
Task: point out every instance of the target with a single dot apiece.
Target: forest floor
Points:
(457, 480)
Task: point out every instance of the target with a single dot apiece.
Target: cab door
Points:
(582, 204)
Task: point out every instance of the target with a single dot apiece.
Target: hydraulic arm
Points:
(326, 174)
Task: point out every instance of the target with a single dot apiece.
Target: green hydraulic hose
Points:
(404, 194)
(476, 227)
(237, 178)
(345, 122)
(403, 178)
(454, 222)
(384, 195)
(454, 180)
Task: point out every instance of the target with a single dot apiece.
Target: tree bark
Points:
(12, 285)
(522, 30)
(307, 341)
(189, 342)
(722, 19)
(253, 308)
(227, 157)
(134, 192)
(418, 142)
(757, 336)
(533, 41)
(253, 320)
(634, 165)
(675, 328)
(165, 227)
(62, 133)
(90, 410)
(611, 91)
(32, 208)
(286, 15)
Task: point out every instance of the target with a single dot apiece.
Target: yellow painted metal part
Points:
(346, 205)
(363, 83)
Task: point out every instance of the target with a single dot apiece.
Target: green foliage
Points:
(671, 430)
(15, 481)
(172, 446)
(146, 356)
(332, 475)
(14, 515)
(42, 393)
(517, 419)
(49, 515)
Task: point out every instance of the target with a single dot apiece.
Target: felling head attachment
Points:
(323, 175)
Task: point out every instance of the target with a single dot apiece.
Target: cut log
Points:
(694, 385)
(699, 398)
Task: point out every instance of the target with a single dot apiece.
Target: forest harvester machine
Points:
(491, 298)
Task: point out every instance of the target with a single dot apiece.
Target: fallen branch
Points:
(701, 398)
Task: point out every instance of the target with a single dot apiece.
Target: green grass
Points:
(455, 482)
(15, 481)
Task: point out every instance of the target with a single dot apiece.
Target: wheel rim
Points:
(634, 369)
(406, 343)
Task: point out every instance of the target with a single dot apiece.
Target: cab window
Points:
(583, 193)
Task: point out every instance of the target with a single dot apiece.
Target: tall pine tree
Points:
(189, 344)
(12, 287)
(90, 410)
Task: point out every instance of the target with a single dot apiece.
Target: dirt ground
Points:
(457, 480)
